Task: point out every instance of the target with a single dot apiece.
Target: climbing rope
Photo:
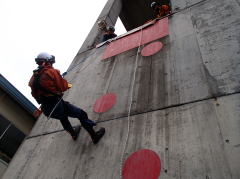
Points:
(5, 131)
(30, 154)
(130, 106)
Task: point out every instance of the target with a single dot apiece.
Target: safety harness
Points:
(37, 86)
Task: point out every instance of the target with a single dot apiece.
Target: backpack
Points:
(36, 86)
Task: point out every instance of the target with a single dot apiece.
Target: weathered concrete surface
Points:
(181, 4)
(194, 64)
(217, 28)
(199, 140)
(174, 110)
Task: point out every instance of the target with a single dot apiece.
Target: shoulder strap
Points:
(37, 85)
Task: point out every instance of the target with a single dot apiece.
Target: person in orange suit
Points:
(160, 9)
(47, 87)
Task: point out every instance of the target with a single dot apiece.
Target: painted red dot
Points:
(143, 164)
(104, 103)
(151, 49)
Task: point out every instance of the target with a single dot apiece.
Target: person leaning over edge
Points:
(160, 9)
(47, 87)
(109, 34)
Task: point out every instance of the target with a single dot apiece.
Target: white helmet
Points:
(111, 28)
(153, 4)
(45, 57)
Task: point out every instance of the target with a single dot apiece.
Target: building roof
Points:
(17, 95)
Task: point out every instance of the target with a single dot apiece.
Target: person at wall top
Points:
(109, 34)
(160, 9)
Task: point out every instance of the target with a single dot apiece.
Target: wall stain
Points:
(238, 145)
(214, 89)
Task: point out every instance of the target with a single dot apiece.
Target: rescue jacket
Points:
(162, 10)
(47, 82)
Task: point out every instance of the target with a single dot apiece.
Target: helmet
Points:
(153, 4)
(45, 57)
(110, 28)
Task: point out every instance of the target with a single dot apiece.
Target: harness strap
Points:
(37, 86)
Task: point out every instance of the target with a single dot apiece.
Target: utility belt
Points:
(48, 99)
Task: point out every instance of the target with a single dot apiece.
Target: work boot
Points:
(98, 135)
(76, 132)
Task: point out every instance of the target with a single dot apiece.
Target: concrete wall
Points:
(186, 104)
(13, 112)
(190, 140)
(3, 167)
(110, 14)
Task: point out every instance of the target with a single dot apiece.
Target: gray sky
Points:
(29, 27)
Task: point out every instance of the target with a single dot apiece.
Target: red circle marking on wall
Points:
(143, 164)
(151, 49)
(104, 103)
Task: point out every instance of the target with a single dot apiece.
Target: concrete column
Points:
(110, 14)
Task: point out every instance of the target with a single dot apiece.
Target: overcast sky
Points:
(29, 27)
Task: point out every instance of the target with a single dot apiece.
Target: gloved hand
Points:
(37, 113)
(64, 74)
(69, 85)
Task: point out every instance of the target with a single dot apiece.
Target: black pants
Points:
(65, 109)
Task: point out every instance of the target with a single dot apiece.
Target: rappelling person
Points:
(109, 33)
(160, 9)
(47, 87)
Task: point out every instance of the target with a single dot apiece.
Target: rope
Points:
(82, 61)
(83, 68)
(130, 106)
(5, 131)
(29, 156)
